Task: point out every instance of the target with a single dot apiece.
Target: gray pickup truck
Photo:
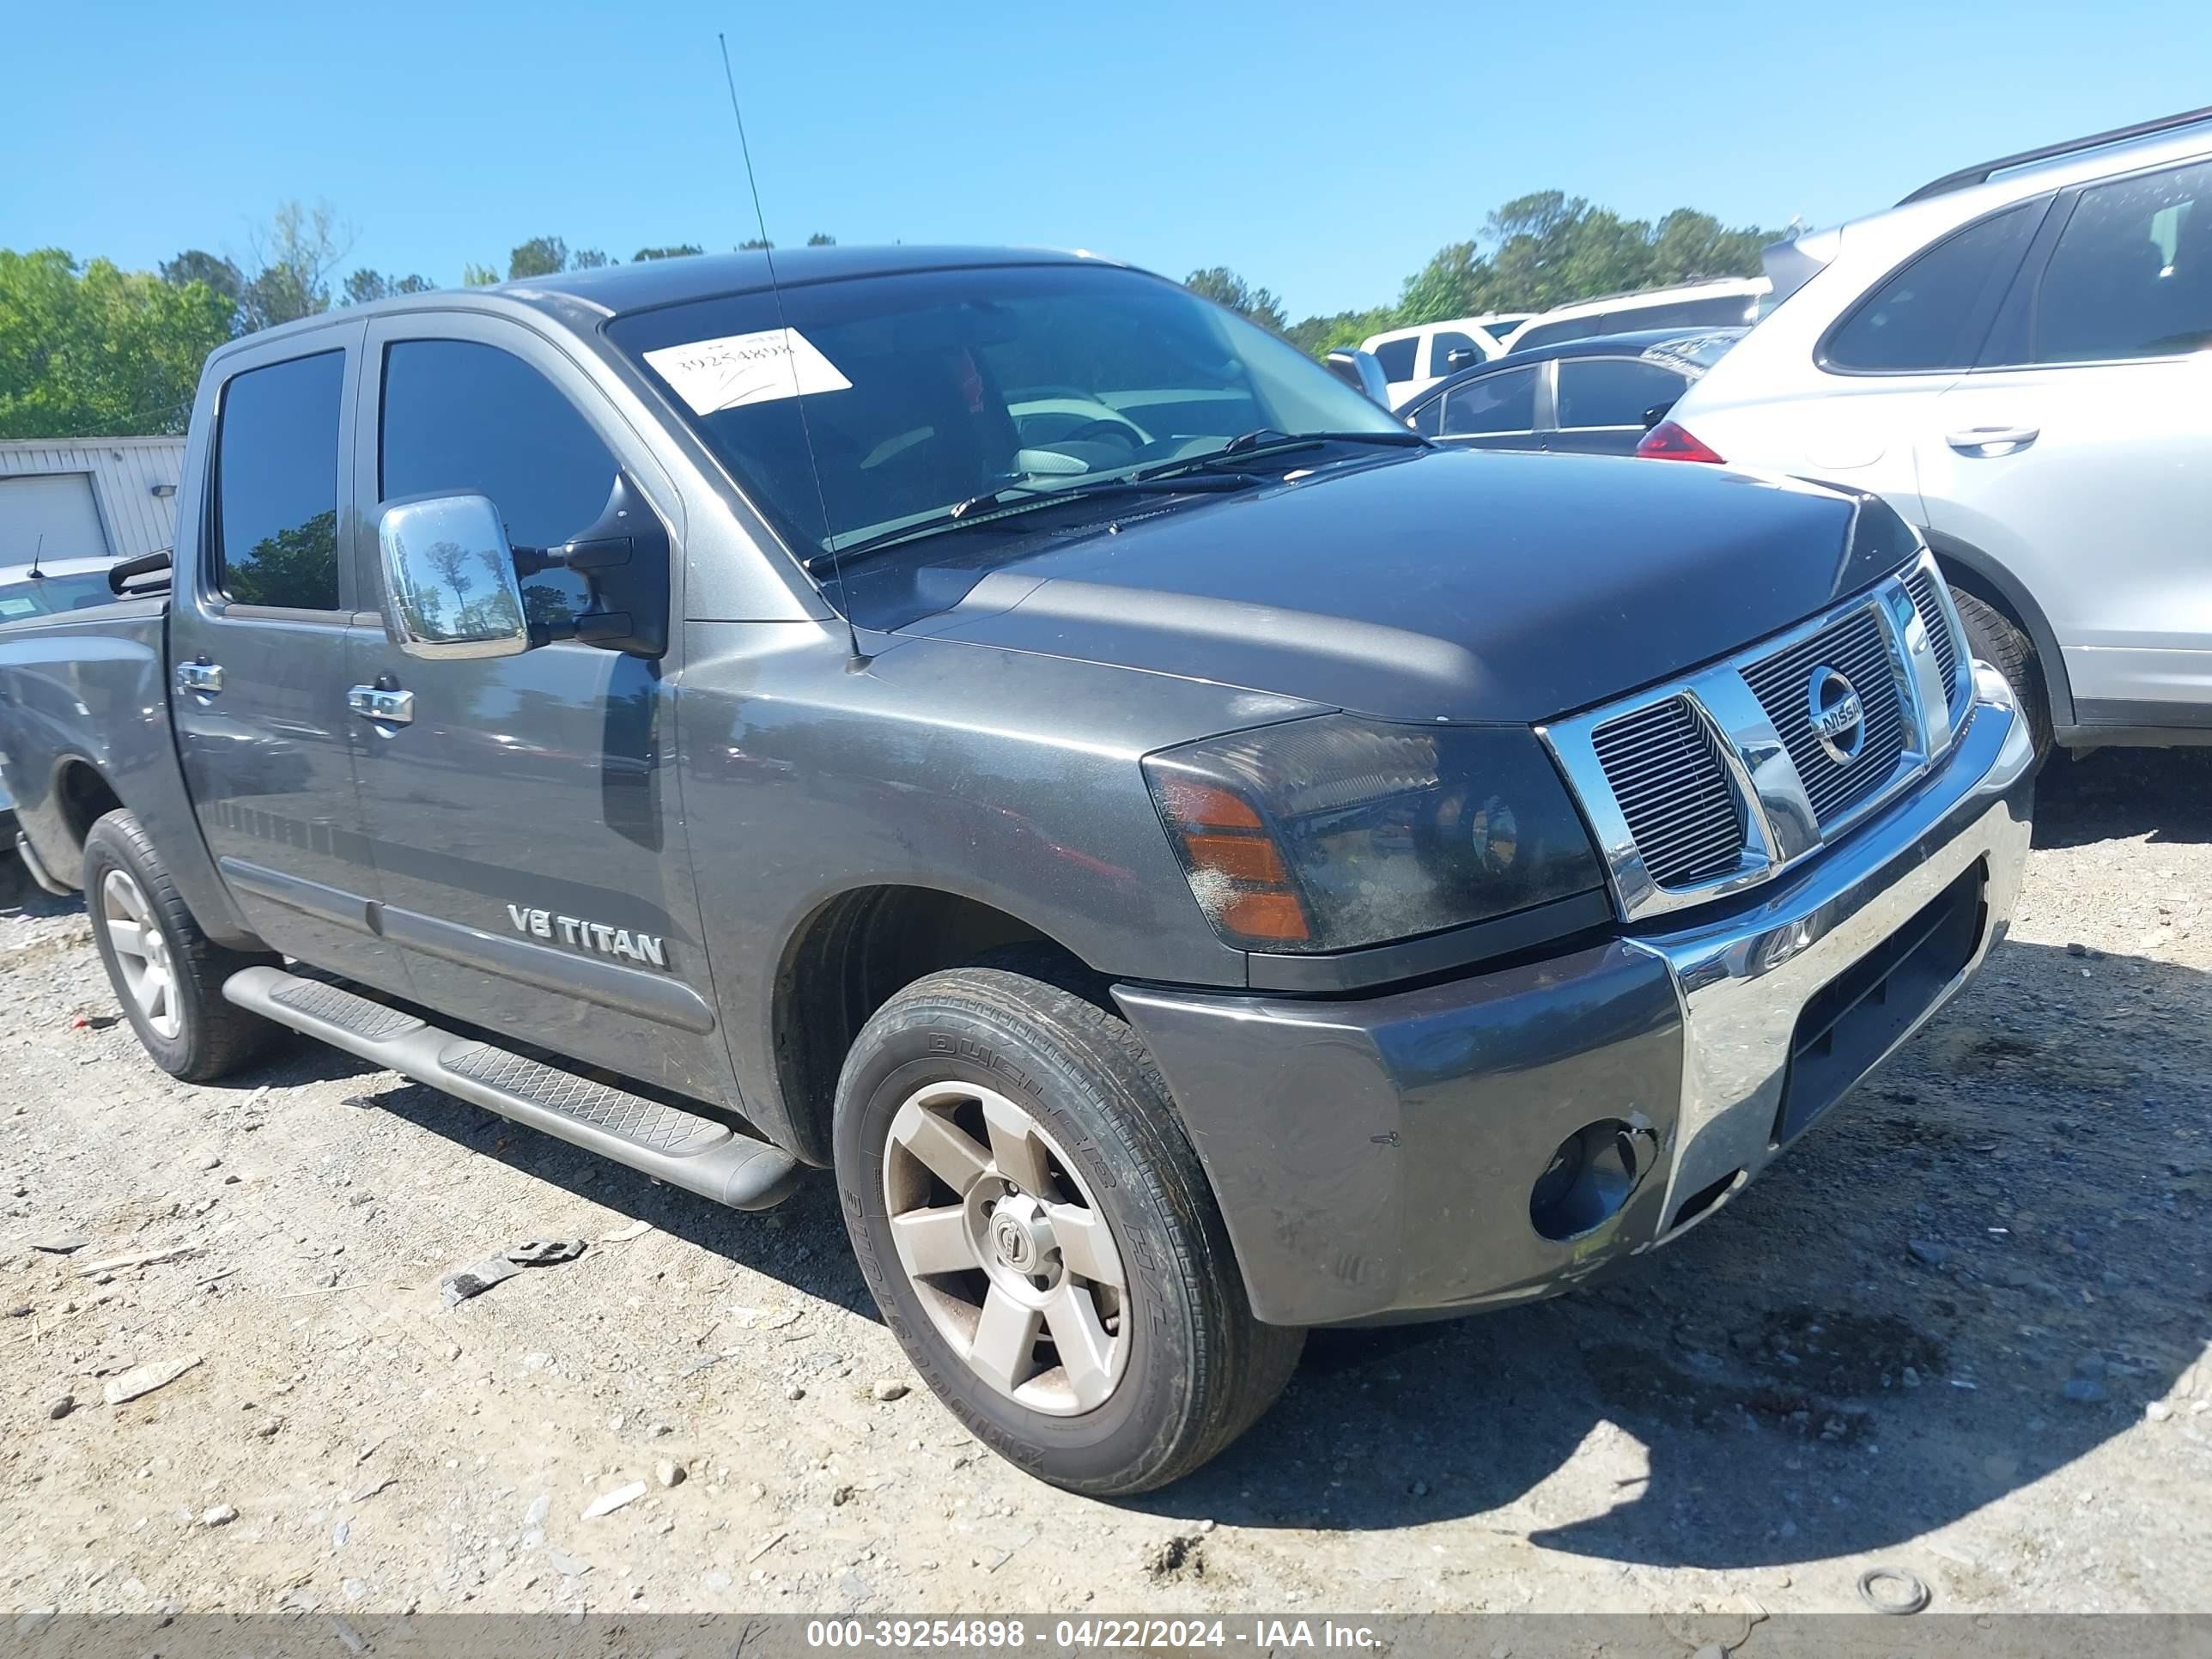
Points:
(1196, 860)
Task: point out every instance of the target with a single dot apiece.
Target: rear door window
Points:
(1932, 315)
(1396, 357)
(465, 418)
(2132, 275)
(277, 484)
(1613, 391)
(1441, 345)
(1505, 402)
(1567, 328)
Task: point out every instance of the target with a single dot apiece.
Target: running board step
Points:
(688, 1149)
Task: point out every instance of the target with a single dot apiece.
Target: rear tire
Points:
(167, 975)
(1993, 639)
(1038, 1119)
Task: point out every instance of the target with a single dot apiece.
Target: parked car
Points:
(1415, 358)
(1728, 301)
(42, 589)
(2015, 357)
(1222, 866)
(1595, 397)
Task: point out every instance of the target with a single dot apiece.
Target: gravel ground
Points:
(1961, 1330)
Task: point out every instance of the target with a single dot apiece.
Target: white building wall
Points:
(126, 474)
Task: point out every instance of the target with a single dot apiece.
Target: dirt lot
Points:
(1962, 1330)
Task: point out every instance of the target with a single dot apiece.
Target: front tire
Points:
(1992, 639)
(167, 974)
(1041, 1236)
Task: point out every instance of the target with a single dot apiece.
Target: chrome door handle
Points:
(203, 678)
(385, 708)
(1992, 441)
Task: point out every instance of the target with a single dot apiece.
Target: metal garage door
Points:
(57, 505)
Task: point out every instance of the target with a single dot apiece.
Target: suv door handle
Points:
(203, 678)
(385, 708)
(1993, 441)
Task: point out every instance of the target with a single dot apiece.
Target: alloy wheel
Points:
(142, 952)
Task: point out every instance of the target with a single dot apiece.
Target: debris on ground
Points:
(116, 1264)
(888, 1388)
(473, 1281)
(145, 1379)
(669, 1473)
(608, 1502)
(624, 1235)
(545, 1252)
(67, 1244)
(221, 1515)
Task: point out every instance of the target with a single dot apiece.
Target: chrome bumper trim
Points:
(1744, 981)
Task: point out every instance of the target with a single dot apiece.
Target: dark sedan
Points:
(1594, 397)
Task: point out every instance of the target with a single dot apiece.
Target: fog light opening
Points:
(1589, 1178)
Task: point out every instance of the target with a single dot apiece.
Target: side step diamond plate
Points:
(691, 1150)
(647, 1123)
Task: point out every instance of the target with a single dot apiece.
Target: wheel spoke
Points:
(1015, 1147)
(1005, 1335)
(949, 1152)
(1085, 1245)
(934, 1240)
(1085, 1349)
(155, 991)
(124, 892)
(128, 937)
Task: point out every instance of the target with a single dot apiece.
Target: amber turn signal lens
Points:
(1240, 857)
(1266, 914)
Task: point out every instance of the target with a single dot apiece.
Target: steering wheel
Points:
(1119, 431)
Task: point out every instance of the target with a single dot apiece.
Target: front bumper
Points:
(1375, 1157)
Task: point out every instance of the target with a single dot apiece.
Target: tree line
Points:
(89, 349)
(1535, 251)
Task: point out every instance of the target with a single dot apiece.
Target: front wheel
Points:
(1991, 637)
(1041, 1238)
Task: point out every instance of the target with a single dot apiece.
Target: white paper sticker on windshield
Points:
(746, 368)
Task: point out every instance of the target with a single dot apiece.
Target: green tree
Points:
(366, 285)
(293, 261)
(822, 238)
(1225, 288)
(96, 351)
(588, 259)
(675, 250)
(541, 256)
(1451, 284)
(198, 265)
(476, 276)
(754, 245)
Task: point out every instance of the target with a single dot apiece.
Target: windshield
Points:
(927, 391)
(46, 596)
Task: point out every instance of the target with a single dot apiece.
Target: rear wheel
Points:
(1041, 1238)
(1993, 639)
(167, 974)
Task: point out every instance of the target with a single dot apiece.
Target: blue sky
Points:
(1323, 150)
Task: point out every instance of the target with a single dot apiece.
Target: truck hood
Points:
(1445, 584)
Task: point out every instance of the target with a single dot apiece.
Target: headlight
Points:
(1335, 832)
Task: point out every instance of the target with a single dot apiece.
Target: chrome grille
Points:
(1666, 773)
(1925, 586)
(1719, 781)
(1855, 648)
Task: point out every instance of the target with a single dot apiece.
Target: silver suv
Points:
(2016, 357)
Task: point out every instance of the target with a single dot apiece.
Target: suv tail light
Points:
(1668, 442)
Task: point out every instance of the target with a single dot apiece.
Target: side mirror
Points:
(1656, 414)
(450, 586)
(1359, 370)
(1461, 357)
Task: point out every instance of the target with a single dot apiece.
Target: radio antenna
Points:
(860, 660)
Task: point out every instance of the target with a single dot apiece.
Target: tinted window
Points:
(1396, 357)
(1428, 419)
(277, 484)
(461, 419)
(1714, 309)
(1924, 317)
(1505, 402)
(1567, 328)
(1613, 391)
(1442, 346)
(2132, 275)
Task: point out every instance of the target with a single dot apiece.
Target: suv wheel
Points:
(1992, 638)
(1041, 1236)
(167, 972)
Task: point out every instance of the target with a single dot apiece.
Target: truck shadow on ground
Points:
(1987, 1262)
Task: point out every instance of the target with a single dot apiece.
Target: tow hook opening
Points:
(1590, 1177)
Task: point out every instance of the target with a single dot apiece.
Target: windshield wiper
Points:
(1009, 499)
(1266, 441)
